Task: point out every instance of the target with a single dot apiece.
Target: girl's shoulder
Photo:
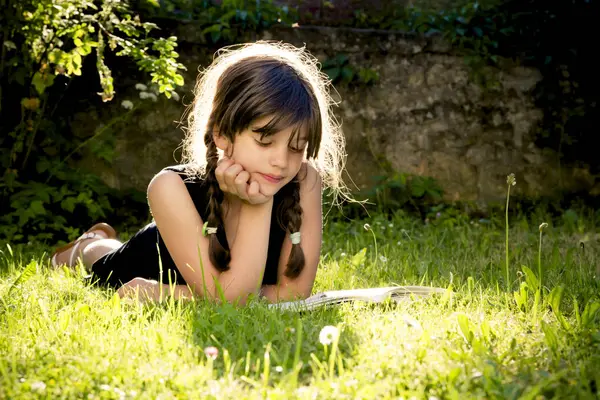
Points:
(183, 171)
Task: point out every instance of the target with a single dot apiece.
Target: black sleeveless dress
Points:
(139, 256)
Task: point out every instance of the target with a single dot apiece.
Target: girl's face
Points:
(272, 161)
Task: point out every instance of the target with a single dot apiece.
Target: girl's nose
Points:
(279, 156)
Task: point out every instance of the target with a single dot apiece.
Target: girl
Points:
(243, 213)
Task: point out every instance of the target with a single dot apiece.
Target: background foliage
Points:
(56, 60)
(46, 46)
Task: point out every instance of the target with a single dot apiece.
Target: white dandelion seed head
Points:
(328, 334)
(511, 180)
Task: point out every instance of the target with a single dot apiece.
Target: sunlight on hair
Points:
(330, 160)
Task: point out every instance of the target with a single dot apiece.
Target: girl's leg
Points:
(103, 234)
(96, 249)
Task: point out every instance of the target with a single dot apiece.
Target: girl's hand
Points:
(141, 289)
(235, 180)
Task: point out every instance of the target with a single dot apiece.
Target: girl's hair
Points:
(250, 81)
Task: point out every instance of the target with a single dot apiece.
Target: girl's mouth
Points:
(271, 178)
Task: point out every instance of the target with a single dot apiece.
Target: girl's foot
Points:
(69, 253)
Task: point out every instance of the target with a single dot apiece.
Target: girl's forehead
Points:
(297, 132)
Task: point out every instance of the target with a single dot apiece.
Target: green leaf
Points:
(531, 278)
(42, 81)
(29, 271)
(589, 313)
(554, 298)
(465, 329)
(550, 337)
(359, 258)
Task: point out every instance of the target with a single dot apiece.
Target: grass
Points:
(62, 339)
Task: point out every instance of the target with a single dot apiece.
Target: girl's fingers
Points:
(253, 190)
(229, 176)
(254, 194)
(241, 185)
(221, 168)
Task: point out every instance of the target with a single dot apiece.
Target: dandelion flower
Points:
(367, 227)
(328, 334)
(126, 104)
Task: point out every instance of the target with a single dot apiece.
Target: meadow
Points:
(534, 336)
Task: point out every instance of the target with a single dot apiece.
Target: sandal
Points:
(89, 234)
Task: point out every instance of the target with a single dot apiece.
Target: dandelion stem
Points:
(543, 226)
(506, 244)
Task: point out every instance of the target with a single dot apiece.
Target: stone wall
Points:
(424, 116)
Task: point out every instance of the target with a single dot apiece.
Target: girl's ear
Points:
(221, 142)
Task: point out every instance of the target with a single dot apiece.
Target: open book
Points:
(371, 295)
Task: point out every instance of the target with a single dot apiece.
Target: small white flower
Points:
(105, 387)
(38, 386)
(343, 255)
(328, 334)
(141, 86)
(543, 226)
(391, 225)
(126, 104)
(383, 258)
(175, 95)
(367, 227)
(119, 392)
(279, 368)
(211, 352)
(143, 95)
(153, 97)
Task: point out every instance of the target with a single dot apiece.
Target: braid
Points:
(291, 218)
(218, 253)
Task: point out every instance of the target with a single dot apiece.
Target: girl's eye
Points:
(294, 150)
(262, 144)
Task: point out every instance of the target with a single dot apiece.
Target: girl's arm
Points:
(181, 228)
(150, 290)
(311, 232)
